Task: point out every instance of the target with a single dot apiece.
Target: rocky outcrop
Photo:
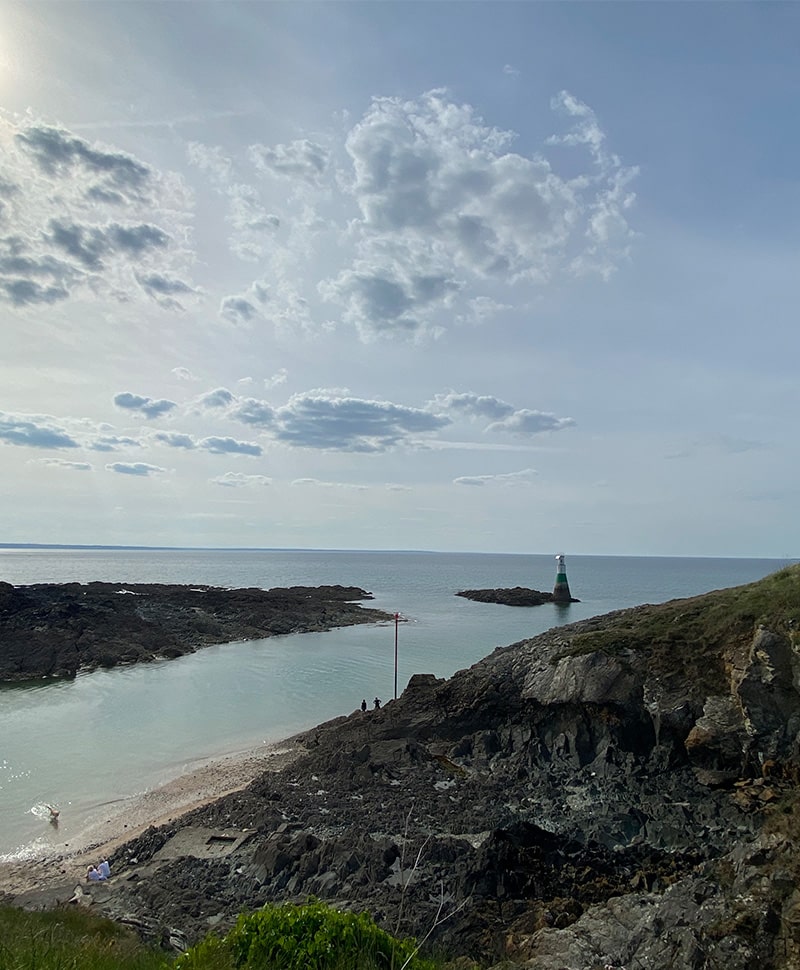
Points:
(50, 630)
(515, 596)
(621, 791)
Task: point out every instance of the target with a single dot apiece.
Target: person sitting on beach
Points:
(104, 869)
(93, 875)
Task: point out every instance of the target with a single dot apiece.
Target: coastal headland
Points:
(620, 791)
(58, 630)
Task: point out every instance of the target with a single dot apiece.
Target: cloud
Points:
(508, 480)
(239, 480)
(237, 309)
(230, 446)
(279, 377)
(34, 431)
(320, 484)
(251, 223)
(59, 152)
(501, 415)
(302, 159)
(86, 220)
(445, 205)
(164, 289)
(252, 411)
(332, 422)
(526, 422)
(113, 443)
(473, 405)
(77, 466)
(147, 406)
(139, 468)
(221, 397)
(184, 374)
(174, 439)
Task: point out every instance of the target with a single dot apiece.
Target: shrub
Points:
(307, 937)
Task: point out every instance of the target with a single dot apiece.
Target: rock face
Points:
(50, 630)
(515, 596)
(621, 791)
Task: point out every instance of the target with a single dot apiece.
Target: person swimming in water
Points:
(54, 813)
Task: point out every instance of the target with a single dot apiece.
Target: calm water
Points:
(89, 743)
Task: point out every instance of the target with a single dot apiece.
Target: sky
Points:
(477, 277)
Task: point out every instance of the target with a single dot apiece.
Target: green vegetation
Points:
(286, 937)
(691, 639)
(70, 939)
(308, 937)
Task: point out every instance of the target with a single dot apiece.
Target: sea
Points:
(90, 744)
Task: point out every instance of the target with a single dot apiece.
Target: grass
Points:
(71, 939)
(692, 639)
(312, 936)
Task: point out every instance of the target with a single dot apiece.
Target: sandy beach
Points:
(207, 782)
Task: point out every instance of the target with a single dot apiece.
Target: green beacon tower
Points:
(561, 593)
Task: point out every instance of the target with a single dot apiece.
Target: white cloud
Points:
(87, 221)
(77, 466)
(139, 469)
(508, 480)
(301, 159)
(239, 480)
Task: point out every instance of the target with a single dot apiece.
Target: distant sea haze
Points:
(105, 736)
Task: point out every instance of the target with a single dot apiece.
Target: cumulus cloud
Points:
(34, 431)
(301, 159)
(146, 406)
(230, 446)
(108, 442)
(139, 468)
(221, 397)
(244, 308)
(174, 439)
(239, 480)
(445, 204)
(501, 415)
(250, 410)
(524, 422)
(164, 289)
(340, 423)
(508, 480)
(237, 309)
(86, 220)
(183, 374)
(116, 176)
(279, 377)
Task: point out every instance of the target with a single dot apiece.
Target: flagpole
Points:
(396, 621)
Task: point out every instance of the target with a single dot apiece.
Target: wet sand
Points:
(206, 783)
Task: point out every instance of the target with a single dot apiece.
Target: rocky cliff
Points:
(621, 791)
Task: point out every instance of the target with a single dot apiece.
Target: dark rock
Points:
(516, 596)
(622, 791)
(49, 630)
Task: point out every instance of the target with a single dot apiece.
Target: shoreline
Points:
(213, 778)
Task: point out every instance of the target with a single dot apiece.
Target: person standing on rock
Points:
(364, 704)
(377, 703)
